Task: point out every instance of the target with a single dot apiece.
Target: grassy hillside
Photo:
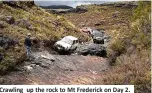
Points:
(129, 48)
(133, 59)
(29, 18)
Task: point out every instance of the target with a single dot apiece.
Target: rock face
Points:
(65, 69)
(44, 55)
(20, 4)
(92, 49)
(6, 42)
(4, 20)
(132, 4)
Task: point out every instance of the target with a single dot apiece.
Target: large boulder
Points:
(24, 23)
(92, 49)
(10, 19)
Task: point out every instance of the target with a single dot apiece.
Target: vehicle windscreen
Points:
(67, 40)
(97, 33)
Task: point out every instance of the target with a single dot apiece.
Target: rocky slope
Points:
(19, 18)
(57, 69)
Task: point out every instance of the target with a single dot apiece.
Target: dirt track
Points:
(61, 69)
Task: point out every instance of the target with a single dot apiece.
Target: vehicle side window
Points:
(76, 41)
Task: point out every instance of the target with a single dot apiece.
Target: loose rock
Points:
(92, 49)
(10, 19)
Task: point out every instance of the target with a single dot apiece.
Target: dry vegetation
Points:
(135, 60)
(44, 27)
(129, 49)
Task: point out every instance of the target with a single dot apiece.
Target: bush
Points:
(6, 64)
(118, 45)
(139, 33)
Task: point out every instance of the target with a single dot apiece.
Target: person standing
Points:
(28, 45)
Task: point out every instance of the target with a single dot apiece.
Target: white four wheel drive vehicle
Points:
(67, 44)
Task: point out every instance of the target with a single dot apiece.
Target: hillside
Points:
(129, 48)
(56, 7)
(19, 18)
(106, 17)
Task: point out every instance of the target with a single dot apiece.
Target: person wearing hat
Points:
(28, 45)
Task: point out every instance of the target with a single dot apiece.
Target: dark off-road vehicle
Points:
(98, 37)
